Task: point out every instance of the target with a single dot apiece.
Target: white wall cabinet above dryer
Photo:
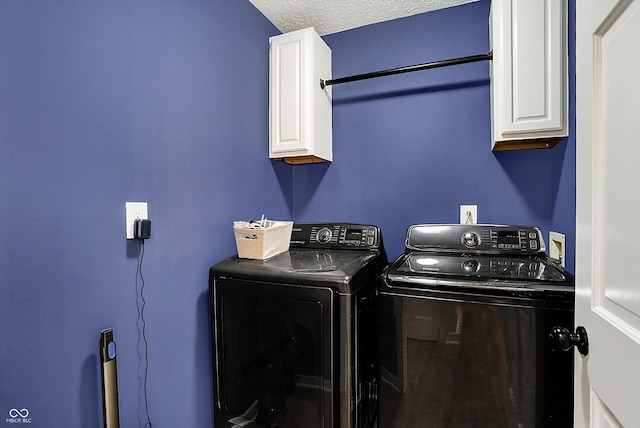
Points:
(300, 129)
(529, 92)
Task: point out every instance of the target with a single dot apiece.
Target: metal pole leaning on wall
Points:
(408, 69)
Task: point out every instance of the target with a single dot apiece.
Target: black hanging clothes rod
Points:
(408, 69)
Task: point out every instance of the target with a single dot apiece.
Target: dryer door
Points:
(273, 348)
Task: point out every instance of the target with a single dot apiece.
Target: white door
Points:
(608, 212)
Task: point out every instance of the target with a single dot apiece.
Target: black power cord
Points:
(144, 323)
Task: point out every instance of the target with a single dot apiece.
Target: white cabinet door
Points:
(529, 73)
(300, 110)
(607, 155)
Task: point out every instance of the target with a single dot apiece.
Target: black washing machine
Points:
(295, 336)
(465, 320)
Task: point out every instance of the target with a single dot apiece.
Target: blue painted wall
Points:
(412, 148)
(167, 102)
(103, 102)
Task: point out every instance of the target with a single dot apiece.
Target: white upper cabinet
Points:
(300, 129)
(529, 91)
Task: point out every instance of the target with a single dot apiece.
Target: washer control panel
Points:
(335, 236)
(476, 238)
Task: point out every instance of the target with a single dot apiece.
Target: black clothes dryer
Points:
(465, 318)
(295, 336)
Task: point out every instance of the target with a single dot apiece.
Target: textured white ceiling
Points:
(332, 16)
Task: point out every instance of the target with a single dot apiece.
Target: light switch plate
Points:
(468, 214)
(134, 211)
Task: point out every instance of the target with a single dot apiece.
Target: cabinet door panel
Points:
(530, 60)
(287, 96)
(529, 70)
(299, 108)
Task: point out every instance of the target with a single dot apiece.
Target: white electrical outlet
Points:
(556, 247)
(135, 211)
(468, 214)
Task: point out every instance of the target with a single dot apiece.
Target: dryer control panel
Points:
(475, 238)
(335, 236)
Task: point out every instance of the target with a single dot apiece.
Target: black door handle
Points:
(562, 339)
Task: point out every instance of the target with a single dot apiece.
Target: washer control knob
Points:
(324, 235)
(470, 266)
(470, 239)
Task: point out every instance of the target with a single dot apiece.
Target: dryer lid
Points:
(342, 270)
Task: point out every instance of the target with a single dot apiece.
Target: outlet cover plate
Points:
(134, 211)
(468, 214)
(557, 247)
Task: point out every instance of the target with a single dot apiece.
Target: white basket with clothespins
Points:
(262, 238)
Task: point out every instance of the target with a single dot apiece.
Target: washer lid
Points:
(525, 279)
(481, 267)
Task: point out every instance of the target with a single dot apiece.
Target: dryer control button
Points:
(324, 235)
